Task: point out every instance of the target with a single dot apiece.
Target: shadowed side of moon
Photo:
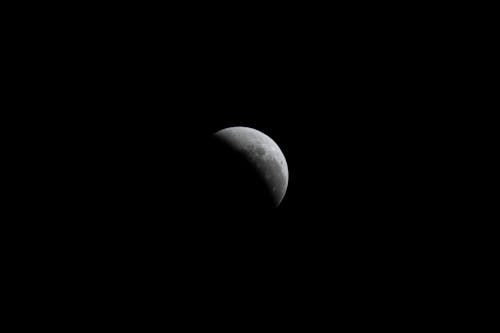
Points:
(248, 169)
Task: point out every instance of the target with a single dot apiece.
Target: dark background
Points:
(356, 101)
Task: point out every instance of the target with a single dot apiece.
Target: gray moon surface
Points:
(263, 153)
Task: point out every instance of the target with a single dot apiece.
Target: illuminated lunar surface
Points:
(263, 154)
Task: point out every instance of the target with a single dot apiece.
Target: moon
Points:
(262, 154)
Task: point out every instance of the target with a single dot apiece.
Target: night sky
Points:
(354, 104)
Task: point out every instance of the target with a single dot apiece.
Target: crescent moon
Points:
(263, 153)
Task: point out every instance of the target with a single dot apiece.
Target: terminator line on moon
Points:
(263, 153)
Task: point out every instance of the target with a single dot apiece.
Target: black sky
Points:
(351, 110)
(354, 101)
